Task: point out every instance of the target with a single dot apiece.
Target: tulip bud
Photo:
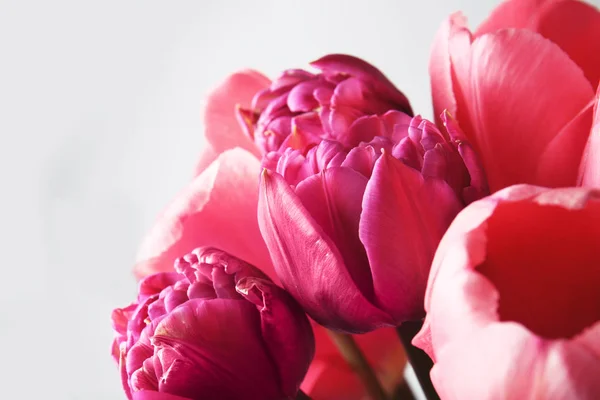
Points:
(300, 108)
(352, 231)
(216, 328)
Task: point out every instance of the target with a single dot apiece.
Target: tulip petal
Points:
(285, 329)
(334, 199)
(404, 217)
(202, 339)
(308, 262)
(222, 129)
(440, 68)
(216, 209)
(560, 161)
(573, 25)
(353, 66)
(152, 395)
(510, 133)
(590, 164)
(493, 359)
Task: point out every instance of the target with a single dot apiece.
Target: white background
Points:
(100, 122)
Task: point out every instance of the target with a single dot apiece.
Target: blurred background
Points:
(100, 121)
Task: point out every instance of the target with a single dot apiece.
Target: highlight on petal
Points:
(589, 175)
(218, 209)
(222, 129)
(308, 263)
(398, 204)
(440, 67)
(511, 132)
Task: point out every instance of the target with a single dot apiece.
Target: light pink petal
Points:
(222, 129)
(404, 217)
(440, 68)
(590, 163)
(493, 361)
(512, 113)
(218, 209)
(308, 262)
(207, 156)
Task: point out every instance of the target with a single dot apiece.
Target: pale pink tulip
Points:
(513, 301)
(522, 88)
(218, 208)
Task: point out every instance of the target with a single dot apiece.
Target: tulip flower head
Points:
(513, 307)
(215, 328)
(352, 211)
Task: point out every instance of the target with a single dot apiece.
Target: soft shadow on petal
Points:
(308, 262)
(217, 209)
(404, 217)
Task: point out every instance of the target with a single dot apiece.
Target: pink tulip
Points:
(513, 301)
(522, 88)
(216, 328)
(218, 208)
(352, 232)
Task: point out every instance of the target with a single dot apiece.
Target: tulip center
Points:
(545, 264)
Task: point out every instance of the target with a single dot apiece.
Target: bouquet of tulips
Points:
(330, 233)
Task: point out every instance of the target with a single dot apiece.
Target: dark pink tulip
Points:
(522, 88)
(300, 108)
(513, 306)
(352, 231)
(217, 328)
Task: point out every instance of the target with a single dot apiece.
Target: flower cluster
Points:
(320, 194)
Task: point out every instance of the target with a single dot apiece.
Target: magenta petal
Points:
(301, 97)
(361, 159)
(404, 218)
(364, 129)
(345, 64)
(286, 331)
(334, 199)
(199, 342)
(152, 395)
(308, 262)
